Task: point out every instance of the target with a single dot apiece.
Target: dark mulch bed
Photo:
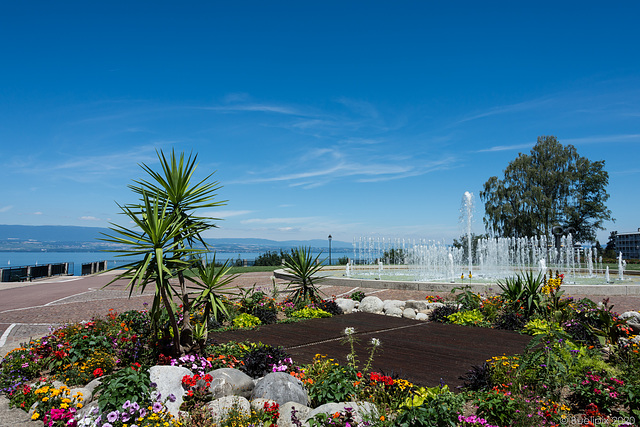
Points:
(423, 353)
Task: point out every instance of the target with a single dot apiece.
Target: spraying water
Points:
(466, 218)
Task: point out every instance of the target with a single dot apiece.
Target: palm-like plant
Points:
(174, 186)
(213, 283)
(168, 229)
(158, 255)
(304, 267)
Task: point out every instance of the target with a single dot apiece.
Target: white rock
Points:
(392, 303)
(422, 316)
(417, 305)
(302, 412)
(220, 408)
(359, 409)
(346, 304)
(371, 304)
(280, 387)
(393, 312)
(169, 381)
(434, 305)
(230, 381)
(409, 313)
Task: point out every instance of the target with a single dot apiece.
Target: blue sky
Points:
(350, 118)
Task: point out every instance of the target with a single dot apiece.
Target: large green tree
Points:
(551, 186)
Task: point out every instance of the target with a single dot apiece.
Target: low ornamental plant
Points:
(599, 389)
(246, 321)
(197, 391)
(310, 313)
(468, 318)
(50, 404)
(357, 296)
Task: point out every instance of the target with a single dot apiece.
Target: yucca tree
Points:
(173, 185)
(158, 255)
(166, 221)
(305, 268)
(212, 282)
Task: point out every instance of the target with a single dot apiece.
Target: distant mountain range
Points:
(71, 238)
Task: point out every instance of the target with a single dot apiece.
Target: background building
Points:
(629, 244)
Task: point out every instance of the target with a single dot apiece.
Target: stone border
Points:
(488, 288)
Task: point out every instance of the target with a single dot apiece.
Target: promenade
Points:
(30, 309)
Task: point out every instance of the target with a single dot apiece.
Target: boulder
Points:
(358, 409)
(422, 316)
(394, 312)
(168, 380)
(633, 320)
(93, 384)
(220, 408)
(371, 304)
(417, 305)
(347, 304)
(391, 304)
(83, 393)
(281, 388)
(434, 305)
(409, 313)
(302, 412)
(230, 382)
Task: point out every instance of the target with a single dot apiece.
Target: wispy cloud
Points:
(294, 220)
(89, 218)
(226, 213)
(6, 208)
(598, 139)
(506, 109)
(321, 166)
(507, 147)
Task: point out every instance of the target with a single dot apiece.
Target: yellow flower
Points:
(35, 416)
(45, 399)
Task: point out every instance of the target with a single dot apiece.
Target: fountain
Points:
(422, 260)
(466, 217)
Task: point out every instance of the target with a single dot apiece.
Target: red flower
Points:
(98, 373)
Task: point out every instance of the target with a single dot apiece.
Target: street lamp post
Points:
(329, 249)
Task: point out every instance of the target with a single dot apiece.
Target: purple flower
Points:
(172, 398)
(126, 404)
(157, 407)
(112, 417)
(125, 417)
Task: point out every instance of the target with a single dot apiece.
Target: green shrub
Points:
(310, 313)
(540, 326)
(130, 384)
(472, 318)
(246, 320)
(442, 410)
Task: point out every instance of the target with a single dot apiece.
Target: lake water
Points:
(18, 259)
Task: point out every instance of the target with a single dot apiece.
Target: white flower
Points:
(375, 342)
(349, 331)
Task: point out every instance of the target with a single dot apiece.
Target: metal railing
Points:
(30, 272)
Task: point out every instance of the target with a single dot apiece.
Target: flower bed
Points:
(581, 367)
